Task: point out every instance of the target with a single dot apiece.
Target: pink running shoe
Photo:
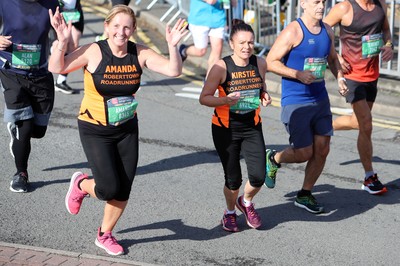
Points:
(74, 197)
(108, 243)
(252, 218)
(229, 222)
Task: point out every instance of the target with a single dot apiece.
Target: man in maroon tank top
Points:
(363, 40)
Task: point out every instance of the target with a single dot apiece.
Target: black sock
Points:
(272, 159)
(303, 193)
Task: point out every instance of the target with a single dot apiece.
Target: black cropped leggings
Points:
(230, 143)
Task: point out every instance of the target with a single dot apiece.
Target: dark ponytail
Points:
(239, 25)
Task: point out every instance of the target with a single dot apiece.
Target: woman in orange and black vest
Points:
(108, 124)
(236, 123)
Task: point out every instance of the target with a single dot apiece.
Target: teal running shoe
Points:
(270, 169)
(309, 203)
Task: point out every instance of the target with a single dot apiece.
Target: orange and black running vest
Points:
(246, 80)
(114, 78)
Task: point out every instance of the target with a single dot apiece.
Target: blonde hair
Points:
(120, 9)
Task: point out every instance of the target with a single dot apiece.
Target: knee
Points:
(202, 51)
(233, 184)
(38, 132)
(106, 193)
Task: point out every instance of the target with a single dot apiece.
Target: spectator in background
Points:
(72, 11)
(28, 86)
(207, 22)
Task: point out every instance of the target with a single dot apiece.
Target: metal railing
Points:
(269, 17)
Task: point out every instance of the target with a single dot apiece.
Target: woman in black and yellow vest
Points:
(107, 122)
(236, 123)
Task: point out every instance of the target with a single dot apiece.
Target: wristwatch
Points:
(390, 44)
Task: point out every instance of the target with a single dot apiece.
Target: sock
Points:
(303, 193)
(79, 184)
(230, 212)
(272, 159)
(61, 78)
(368, 174)
(246, 203)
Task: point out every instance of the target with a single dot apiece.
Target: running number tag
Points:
(371, 45)
(121, 109)
(317, 66)
(249, 101)
(71, 15)
(26, 56)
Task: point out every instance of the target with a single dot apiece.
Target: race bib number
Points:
(26, 56)
(121, 109)
(71, 15)
(317, 66)
(371, 45)
(249, 101)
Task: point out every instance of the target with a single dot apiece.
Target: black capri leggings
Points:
(229, 143)
(112, 153)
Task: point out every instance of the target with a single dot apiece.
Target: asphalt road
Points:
(174, 213)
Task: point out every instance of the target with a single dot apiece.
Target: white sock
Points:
(61, 78)
(230, 212)
(246, 203)
(368, 174)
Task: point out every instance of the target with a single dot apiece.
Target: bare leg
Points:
(112, 212)
(316, 163)
(230, 198)
(250, 191)
(216, 51)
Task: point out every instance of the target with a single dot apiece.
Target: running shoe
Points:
(19, 183)
(64, 88)
(108, 243)
(309, 203)
(373, 186)
(229, 222)
(252, 218)
(182, 52)
(270, 169)
(14, 134)
(75, 196)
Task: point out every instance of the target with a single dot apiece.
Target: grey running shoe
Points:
(64, 88)
(309, 203)
(14, 134)
(270, 169)
(19, 183)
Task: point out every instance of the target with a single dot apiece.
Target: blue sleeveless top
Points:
(314, 49)
(28, 24)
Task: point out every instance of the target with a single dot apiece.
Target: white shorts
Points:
(200, 34)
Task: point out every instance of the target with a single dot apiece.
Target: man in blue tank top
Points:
(300, 55)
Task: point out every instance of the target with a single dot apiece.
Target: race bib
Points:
(121, 109)
(317, 66)
(371, 45)
(249, 101)
(71, 15)
(26, 56)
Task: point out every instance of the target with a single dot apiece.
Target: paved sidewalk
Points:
(14, 254)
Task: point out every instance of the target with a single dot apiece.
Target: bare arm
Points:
(387, 51)
(289, 38)
(216, 76)
(262, 69)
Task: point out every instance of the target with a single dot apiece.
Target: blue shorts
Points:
(304, 121)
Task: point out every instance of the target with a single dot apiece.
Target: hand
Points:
(343, 90)
(305, 76)
(174, 35)
(346, 67)
(232, 98)
(5, 41)
(265, 99)
(387, 53)
(58, 23)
